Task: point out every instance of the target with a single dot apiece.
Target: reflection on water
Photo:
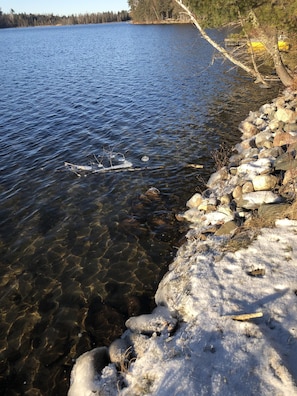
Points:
(81, 254)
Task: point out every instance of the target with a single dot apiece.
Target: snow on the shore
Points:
(211, 353)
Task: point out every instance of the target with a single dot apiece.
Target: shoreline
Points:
(239, 259)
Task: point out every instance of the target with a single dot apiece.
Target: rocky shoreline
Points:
(252, 190)
(259, 179)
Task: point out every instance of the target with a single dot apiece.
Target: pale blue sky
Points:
(62, 7)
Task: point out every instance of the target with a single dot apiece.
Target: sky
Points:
(62, 7)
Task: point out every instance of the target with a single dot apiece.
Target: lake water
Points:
(81, 254)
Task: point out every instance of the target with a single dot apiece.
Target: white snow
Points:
(210, 353)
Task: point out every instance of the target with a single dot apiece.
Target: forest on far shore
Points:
(13, 19)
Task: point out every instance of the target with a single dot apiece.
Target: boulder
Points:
(274, 125)
(267, 109)
(278, 211)
(291, 128)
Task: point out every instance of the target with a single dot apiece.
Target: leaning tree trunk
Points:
(254, 73)
(271, 43)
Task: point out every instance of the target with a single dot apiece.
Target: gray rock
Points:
(285, 162)
(255, 199)
(226, 228)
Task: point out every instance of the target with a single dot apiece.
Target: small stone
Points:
(226, 210)
(274, 125)
(225, 200)
(194, 201)
(226, 228)
(247, 187)
(217, 177)
(248, 129)
(291, 128)
(237, 192)
(290, 175)
(119, 351)
(285, 162)
(272, 152)
(262, 138)
(286, 115)
(264, 182)
(216, 217)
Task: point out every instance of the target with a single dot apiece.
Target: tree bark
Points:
(271, 43)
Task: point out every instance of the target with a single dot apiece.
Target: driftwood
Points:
(244, 317)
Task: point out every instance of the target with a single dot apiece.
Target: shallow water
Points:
(81, 254)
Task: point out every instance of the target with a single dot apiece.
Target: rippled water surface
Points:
(81, 254)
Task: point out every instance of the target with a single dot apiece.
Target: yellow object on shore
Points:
(259, 46)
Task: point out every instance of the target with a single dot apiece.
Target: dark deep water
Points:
(81, 254)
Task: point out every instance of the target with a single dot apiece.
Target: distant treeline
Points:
(24, 20)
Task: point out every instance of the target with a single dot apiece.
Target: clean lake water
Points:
(81, 254)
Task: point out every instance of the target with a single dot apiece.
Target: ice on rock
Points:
(158, 321)
(86, 373)
(259, 167)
